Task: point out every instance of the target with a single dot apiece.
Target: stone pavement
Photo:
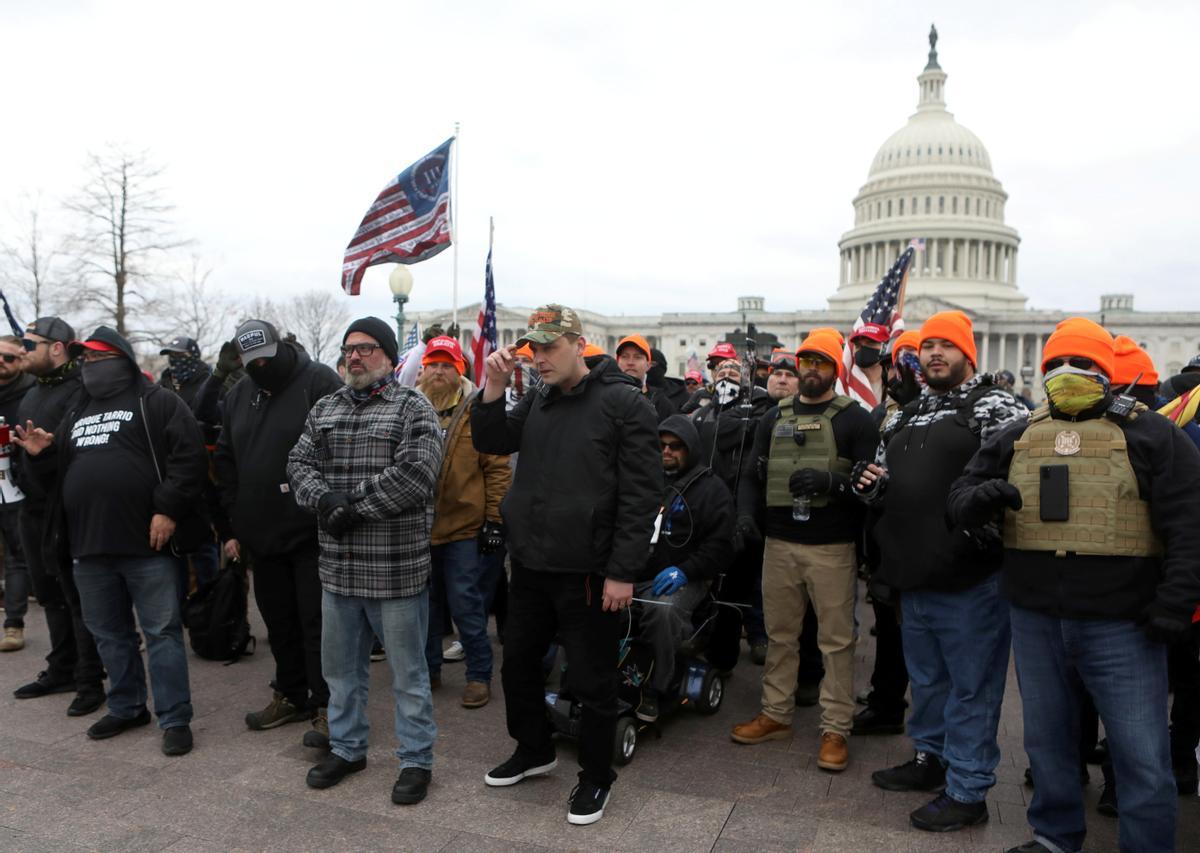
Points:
(693, 789)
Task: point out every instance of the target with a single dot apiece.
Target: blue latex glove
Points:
(669, 581)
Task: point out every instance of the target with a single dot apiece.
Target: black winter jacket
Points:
(46, 404)
(727, 435)
(588, 482)
(697, 529)
(258, 431)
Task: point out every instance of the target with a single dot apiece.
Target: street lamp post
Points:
(400, 282)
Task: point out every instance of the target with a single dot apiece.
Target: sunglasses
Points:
(673, 446)
(30, 346)
(361, 350)
(1075, 361)
(808, 362)
(9, 358)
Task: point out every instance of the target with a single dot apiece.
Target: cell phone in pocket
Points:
(1055, 493)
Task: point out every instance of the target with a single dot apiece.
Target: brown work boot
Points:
(835, 752)
(14, 640)
(278, 713)
(476, 694)
(318, 736)
(760, 729)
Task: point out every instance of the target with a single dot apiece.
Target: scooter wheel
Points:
(625, 742)
(712, 692)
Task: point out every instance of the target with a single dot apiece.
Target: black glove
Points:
(335, 515)
(228, 361)
(491, 537)
(809, 482)
(986, 499)
(745, 533)
(1163, 625)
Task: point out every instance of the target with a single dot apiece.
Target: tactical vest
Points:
(816, 449)
(1107, 515)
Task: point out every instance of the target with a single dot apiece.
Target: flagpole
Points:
(454, 228)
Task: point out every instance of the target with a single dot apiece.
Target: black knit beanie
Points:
(375, 328)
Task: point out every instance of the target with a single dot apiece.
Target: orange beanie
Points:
(1079, 336)
(1131, 362)
(952, 326)
(590, 350)
(907, 340)
(824, 342)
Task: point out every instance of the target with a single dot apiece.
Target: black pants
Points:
(812, 666)
(737, 588)
(889, 679)
(288, 592)
(72, 650)
(1183, 668)
(542, 606)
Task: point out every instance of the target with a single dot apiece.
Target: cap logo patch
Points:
(541, 318)
(251, 339)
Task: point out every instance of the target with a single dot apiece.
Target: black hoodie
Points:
(588, 482)
(697, 528)
(259, 430)
(46, 403)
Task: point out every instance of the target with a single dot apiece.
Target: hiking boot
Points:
(476, 694)
(14, 640)
(86, 701)
(279, 712)
(586, 803)
(519, 767)
(318, 736)
(44, 685)
(332, 770)
(925, 772)
(377, 652)
(808, 693)
(110, 726)
(177, 740)
(835, 752)
(1108, 797)
(761, 728)
(870, 721)
(411, 786)
(647, 709)
(758, 653)
(946, 814)
(454, 653)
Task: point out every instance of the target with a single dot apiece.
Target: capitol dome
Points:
(932, 181)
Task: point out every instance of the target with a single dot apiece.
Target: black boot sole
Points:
(949, 827)
(136, 722)
(323, 782)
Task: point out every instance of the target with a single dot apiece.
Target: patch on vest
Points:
(785, 430)
(813, 426)
(1067, 443)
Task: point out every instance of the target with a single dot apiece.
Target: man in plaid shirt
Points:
(366, 464)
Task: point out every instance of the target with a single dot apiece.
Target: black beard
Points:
(957, 376)
(815, 386)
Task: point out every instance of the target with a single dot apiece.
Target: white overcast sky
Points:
(638, 157)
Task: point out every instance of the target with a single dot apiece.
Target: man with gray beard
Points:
(366, 464)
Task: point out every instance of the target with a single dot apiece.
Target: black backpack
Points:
(215, 616)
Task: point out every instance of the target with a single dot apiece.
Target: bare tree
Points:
(33, 263)
(124, 231)
(200, 310)
(317, 318)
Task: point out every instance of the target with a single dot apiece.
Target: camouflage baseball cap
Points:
(549, 323)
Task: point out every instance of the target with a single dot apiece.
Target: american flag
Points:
(407, 223)
(483, 342)
(409, 357)
(883, 309)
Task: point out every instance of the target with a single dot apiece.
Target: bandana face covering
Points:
(1072, 391)
(726, 391)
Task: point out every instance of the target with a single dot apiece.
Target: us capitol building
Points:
(931, 180)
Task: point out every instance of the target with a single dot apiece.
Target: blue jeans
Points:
(458, 573)
(349, 627)
(956, 650)
(1126, 676)
(110, 588)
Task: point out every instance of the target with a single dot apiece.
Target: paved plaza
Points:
(691, 790)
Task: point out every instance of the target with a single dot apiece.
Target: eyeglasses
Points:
(9, 358)
(673, 446)
(1076, 361)
(808, 362)
(361, 350)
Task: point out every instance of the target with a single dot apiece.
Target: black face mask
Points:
(276, 373)
(866, 357)
(103, 379)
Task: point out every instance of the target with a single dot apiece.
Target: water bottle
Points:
(801, 505)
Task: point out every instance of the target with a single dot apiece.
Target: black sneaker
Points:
(1108, 797)
(517, 768)
(870, 721)
(377, 652)
(86, 701)
(177, 740)
(924, 773)
(332, 770)
(412, 786)
(110, 726)
(44, 685)
(946, 814)
(586, 804)
(1029, 847)
(647, 711)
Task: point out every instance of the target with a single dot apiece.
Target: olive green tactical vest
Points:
(1107, 516)
(818, 451)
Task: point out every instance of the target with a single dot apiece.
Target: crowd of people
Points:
(584, 497)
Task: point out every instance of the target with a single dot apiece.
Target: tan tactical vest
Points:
(818, 451)
(1107, 516)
